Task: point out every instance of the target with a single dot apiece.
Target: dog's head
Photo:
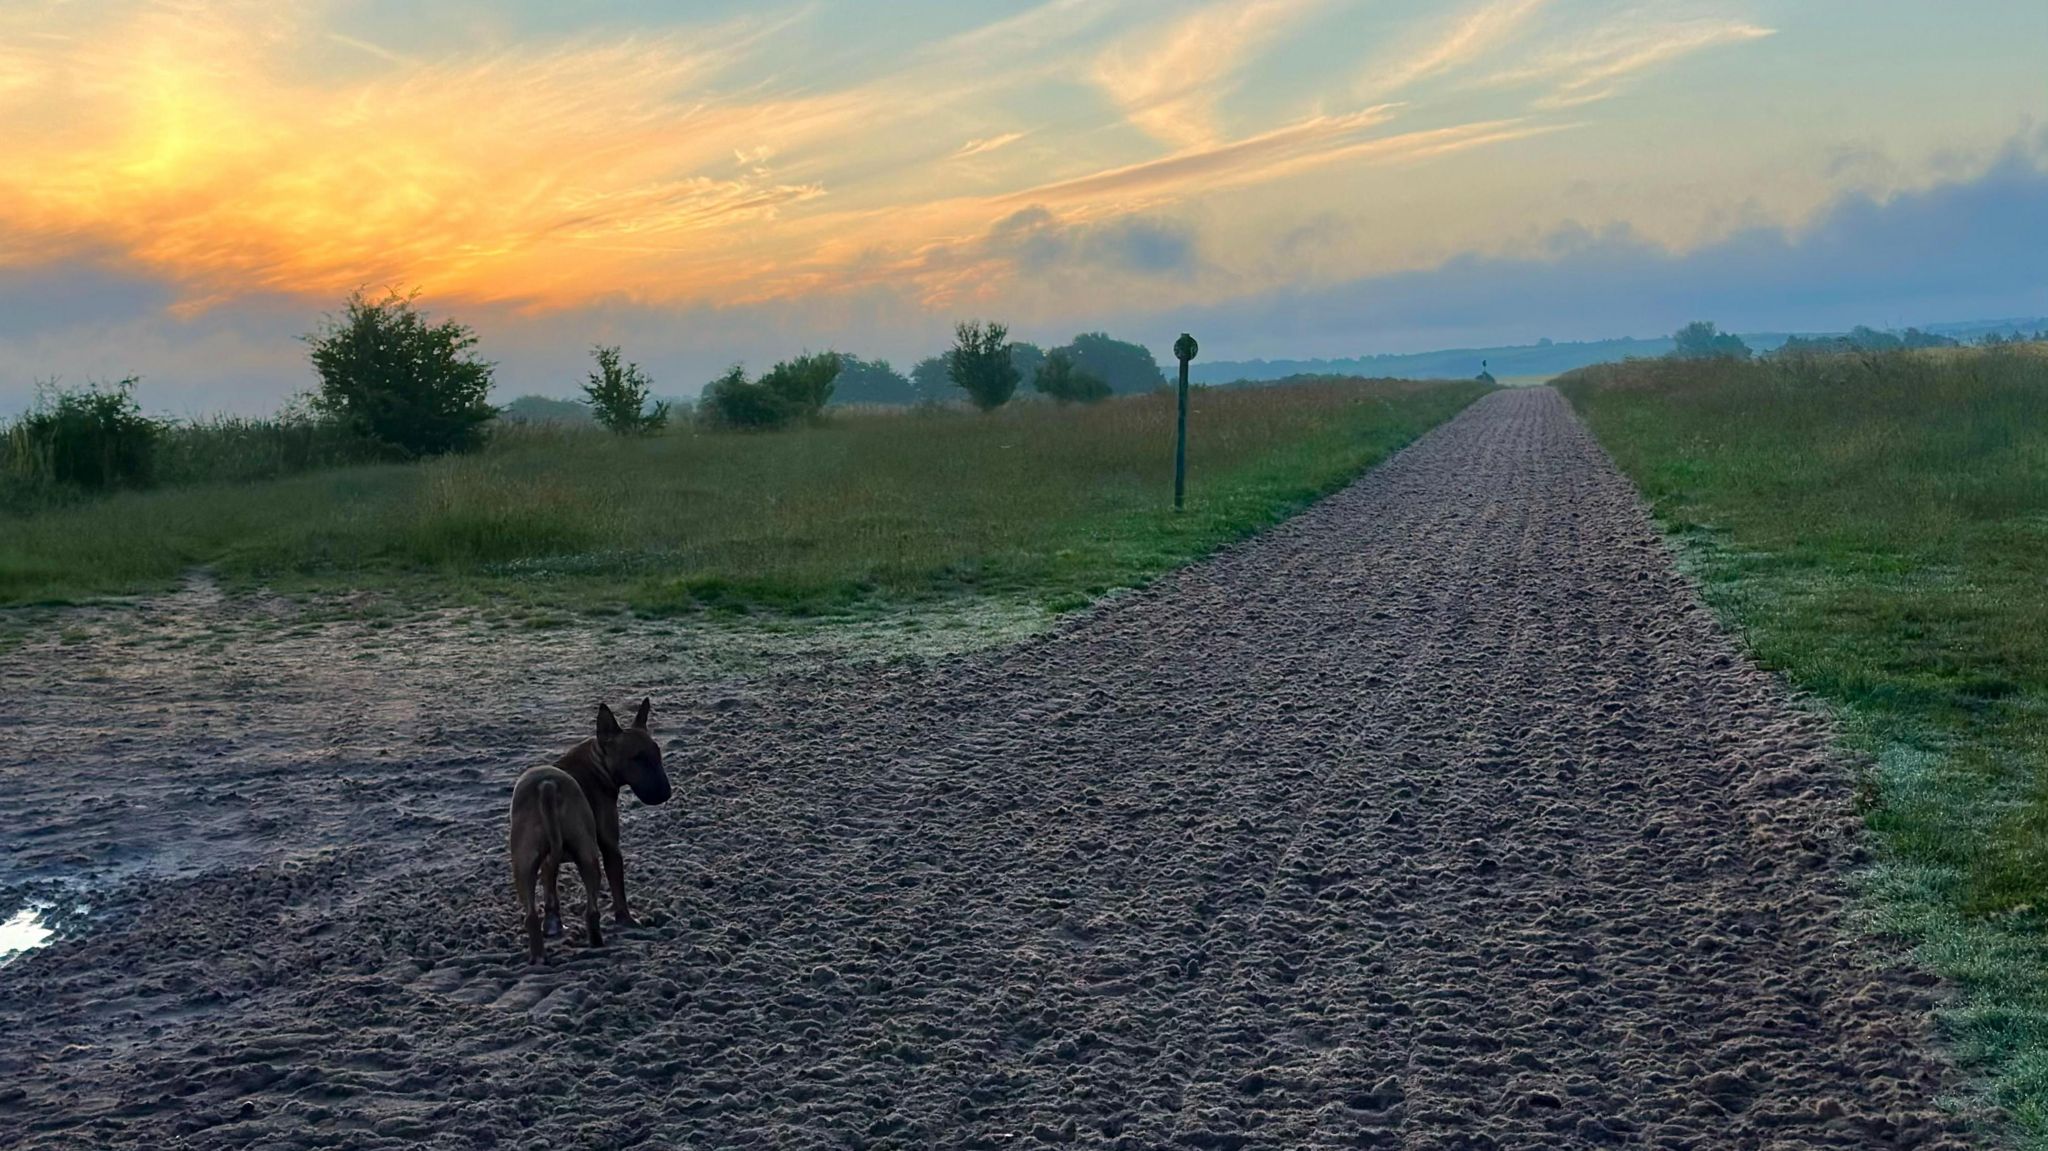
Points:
(632, 754)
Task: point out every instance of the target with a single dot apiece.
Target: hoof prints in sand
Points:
(1440, 816)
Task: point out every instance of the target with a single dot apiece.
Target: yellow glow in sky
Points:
(235, 148)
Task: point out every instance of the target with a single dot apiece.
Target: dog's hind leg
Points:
(587, 864)
(522, 884)
(550, 885)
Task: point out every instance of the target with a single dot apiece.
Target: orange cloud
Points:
(186, 142)
(234, 147)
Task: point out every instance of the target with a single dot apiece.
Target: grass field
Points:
(1877, 528)
(1054, 503)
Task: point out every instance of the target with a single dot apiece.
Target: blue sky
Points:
(194, 182)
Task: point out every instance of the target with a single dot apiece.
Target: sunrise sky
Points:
(189, 184)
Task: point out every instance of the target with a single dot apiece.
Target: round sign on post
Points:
(1184, 349)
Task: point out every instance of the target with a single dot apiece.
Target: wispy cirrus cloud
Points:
(1470, 36)
(1596, 66)
(1168, 81)
(984, 145)
(1312, 143)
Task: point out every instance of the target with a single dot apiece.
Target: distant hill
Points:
(536, 409)
(1544, 358)
(545, 410)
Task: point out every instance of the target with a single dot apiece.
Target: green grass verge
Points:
(1876, 527)
(1059, 504)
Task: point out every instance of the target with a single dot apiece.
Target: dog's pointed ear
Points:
(607, 723)
(640, 717)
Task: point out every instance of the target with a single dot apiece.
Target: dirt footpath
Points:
(1440, 817)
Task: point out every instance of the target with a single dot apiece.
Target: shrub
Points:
(92, 438)
(1057, 377)
(791, 390)
(618, 395)
(399, 381)
(979, 364)
(731, 401)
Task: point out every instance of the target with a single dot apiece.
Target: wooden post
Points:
(1183, 350)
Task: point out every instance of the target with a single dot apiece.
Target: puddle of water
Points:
(24, 931)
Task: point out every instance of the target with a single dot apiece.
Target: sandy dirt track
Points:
(1441, 816)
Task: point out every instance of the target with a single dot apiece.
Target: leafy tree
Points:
(399, 381)
(1915, 338)
(617, 395)
(933, 379)
(979, 364)
(1867, 339)
(1701, 340)
(1026, 358)
(1126, 367)
(1863, 339)
(872, 382)
(1057, 377)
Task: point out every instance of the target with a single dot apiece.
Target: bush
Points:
(618, 395)
(1057, 377)
(731, 401)
(92, 438)
(792, 390)
(979, 364)
(398, 381)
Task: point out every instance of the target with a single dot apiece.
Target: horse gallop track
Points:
(1441, 816)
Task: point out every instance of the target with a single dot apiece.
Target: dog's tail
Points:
(551, 816)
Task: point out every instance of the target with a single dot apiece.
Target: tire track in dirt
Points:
(1440, 816)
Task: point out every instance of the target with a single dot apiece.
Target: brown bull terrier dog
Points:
(569, 813)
